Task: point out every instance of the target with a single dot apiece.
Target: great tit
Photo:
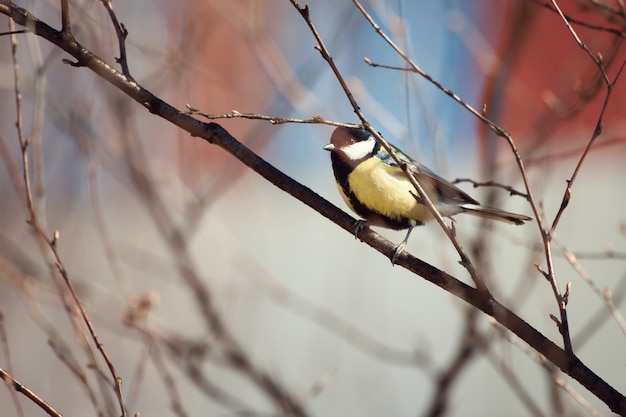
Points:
(375, 187)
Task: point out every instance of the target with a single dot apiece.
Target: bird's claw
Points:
(397, 252)
(400, 248)
(360, 224)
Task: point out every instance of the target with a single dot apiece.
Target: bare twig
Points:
(596, 320)
(153, 352)
(605, 294)
(64, 353)
(65, 17)
(602, 5)
(598, 60)
(547, 5)
(512, 191)
(608, 253)
(176, 402)
(52, 242)
(19, 387)
(596, 133)
(117, 380)
(272, 119)
(6, 353)
(122, 33)
(13, 32)
(187, 354)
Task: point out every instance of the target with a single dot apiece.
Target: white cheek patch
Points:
(360, 150)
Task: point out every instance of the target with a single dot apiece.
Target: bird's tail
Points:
(495, 214)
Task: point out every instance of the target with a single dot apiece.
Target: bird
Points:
(375, 188)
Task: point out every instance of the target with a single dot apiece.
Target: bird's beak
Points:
(329, 147)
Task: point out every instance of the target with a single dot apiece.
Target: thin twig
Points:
(65, 17)
(578, 22)
(19, 387)
(512, 191)
(122, 33)
(605, 294)
(64, 353)
(6, 353)
(596, 320)
(599, 124)
(52, 242)
(117, 380)
(596, 133)
(602, 5)
(177, 404)
(272, 119)
(608, 253)
(13, 32)
(595, 58)
(187, 355)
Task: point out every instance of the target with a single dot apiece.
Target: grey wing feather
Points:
(448, 191)
(428, 179)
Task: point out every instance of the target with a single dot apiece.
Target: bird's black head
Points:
(352, 145)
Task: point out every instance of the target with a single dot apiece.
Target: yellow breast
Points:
(386, 190)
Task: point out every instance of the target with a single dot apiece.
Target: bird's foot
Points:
(399, 249)
(360, 224)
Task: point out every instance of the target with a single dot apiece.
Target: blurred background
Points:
(161, 232)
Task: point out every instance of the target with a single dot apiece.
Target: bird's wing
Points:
(444, 188)
(432, 183)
